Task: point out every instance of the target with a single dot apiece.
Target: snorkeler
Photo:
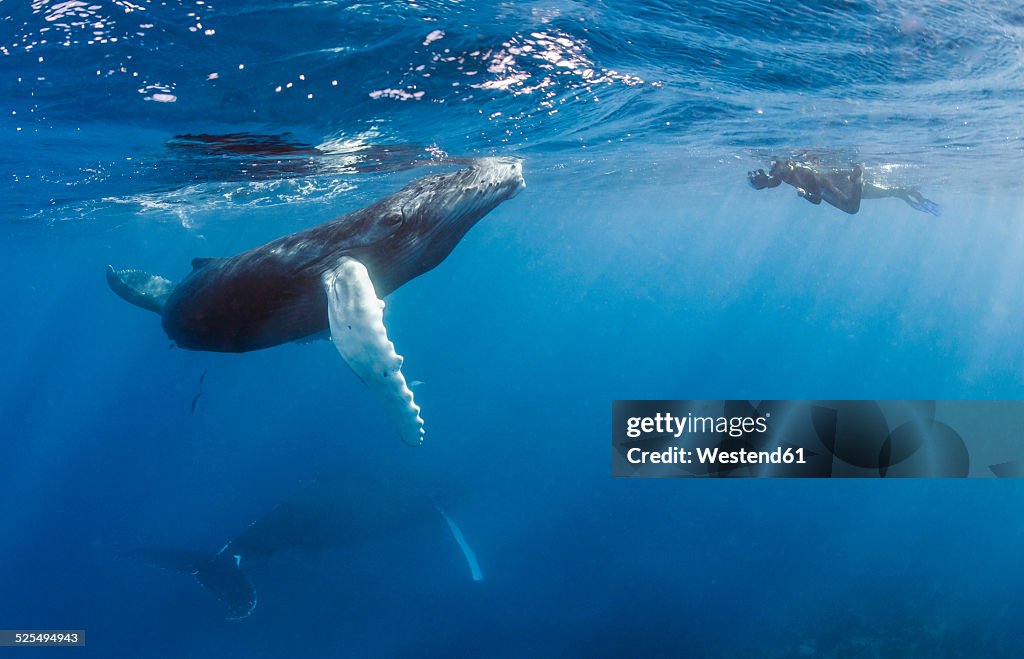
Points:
(843, 188)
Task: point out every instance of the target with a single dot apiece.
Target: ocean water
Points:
(638, 263)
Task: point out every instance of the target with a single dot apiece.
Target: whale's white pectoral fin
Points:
(356, 318)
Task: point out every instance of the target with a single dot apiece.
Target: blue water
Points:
(638, 263)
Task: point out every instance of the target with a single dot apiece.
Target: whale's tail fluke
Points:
(220, 575)
(140, 288)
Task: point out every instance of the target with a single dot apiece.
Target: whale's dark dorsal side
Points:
(329, 277)
(202, 262)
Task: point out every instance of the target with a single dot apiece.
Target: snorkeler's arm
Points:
(806, 182)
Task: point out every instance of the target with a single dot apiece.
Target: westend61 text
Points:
(716, 456)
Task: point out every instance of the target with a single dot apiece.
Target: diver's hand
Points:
(759, 179)
(804, 194)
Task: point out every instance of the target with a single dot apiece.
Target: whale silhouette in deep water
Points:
(330, 277)
(335, 511)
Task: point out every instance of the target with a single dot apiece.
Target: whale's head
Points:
(432, 214)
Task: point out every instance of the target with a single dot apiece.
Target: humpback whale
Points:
(330, 277)
(336, 510)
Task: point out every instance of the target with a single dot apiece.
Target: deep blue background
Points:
(637, 264)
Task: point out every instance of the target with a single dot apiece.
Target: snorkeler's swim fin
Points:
(925, 206)
(219, 575)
